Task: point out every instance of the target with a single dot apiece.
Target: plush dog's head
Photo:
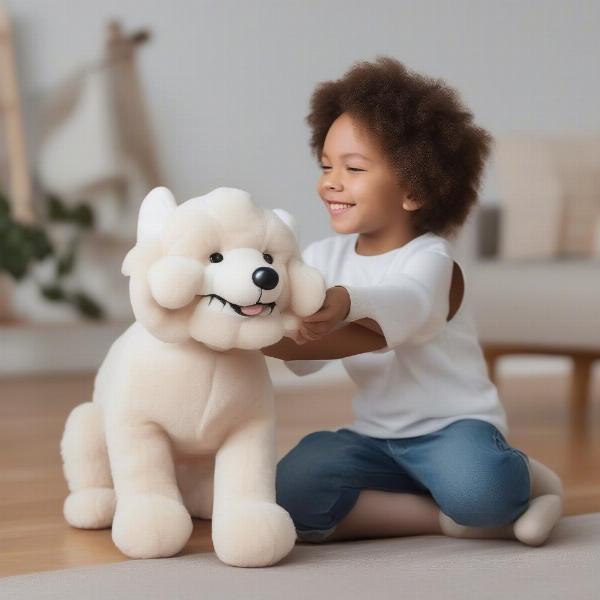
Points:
(220, 270)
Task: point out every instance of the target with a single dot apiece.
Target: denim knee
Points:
(309, 486)
(495, 495)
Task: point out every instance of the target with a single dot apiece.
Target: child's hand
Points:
(334, 309)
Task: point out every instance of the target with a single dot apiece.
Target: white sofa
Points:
(541, 306)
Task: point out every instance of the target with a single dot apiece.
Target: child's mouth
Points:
(337, 208)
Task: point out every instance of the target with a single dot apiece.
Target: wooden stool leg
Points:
(580, 384)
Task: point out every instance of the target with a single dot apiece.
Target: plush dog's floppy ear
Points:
(156, 207)
(308, 288)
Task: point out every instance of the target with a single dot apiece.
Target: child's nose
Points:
(332, 182)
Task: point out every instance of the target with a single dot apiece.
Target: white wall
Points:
(229, 81)
(228, 84)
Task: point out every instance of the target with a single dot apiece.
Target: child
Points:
(401, 163)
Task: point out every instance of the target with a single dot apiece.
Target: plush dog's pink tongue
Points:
(255, 309)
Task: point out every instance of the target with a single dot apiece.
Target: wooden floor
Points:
(35, 537)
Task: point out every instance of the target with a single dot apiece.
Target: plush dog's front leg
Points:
(150, 520)
(248, 528)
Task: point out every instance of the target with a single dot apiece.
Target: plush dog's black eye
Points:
(216, 257)
(268, 258)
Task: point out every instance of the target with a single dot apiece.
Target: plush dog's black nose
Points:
(265, 278)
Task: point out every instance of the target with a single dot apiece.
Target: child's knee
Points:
(308, 485)
(490, 498)
(301, 470)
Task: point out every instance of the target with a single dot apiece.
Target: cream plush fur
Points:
(182, 419)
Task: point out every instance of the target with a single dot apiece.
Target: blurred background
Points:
(100, 102)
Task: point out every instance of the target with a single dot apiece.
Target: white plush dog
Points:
(182, 419)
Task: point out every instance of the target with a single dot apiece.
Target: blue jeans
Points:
(467, 467)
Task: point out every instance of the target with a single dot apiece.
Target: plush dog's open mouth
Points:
(253, 310)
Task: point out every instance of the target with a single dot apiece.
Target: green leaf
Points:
(53, 292)
(41, 246)
(15, 253)
(57, 211)
(21, 244)
(86, 306)
(15, 263)
(4, 208)
(83, 215)
(66, 263)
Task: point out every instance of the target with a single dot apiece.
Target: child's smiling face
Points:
(357, 184)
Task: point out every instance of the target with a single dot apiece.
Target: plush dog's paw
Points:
(91, 508)
(150, 526)
(252, 534)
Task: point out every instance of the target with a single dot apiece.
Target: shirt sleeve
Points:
(306, 367)
(412, 305)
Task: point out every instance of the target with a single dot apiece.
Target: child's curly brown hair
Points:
(421, 125)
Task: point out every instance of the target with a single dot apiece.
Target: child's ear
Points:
(410, 203)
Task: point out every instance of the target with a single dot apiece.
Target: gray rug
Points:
(430, 567)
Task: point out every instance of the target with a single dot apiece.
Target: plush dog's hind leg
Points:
(91, 503)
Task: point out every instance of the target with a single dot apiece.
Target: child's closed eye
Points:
(349, 168)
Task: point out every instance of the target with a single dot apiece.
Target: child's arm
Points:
(349, 340)
(414, 305)
(455, 298)
(369, 324)
(335, 307)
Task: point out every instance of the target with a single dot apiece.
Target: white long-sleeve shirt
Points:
(432, 371)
